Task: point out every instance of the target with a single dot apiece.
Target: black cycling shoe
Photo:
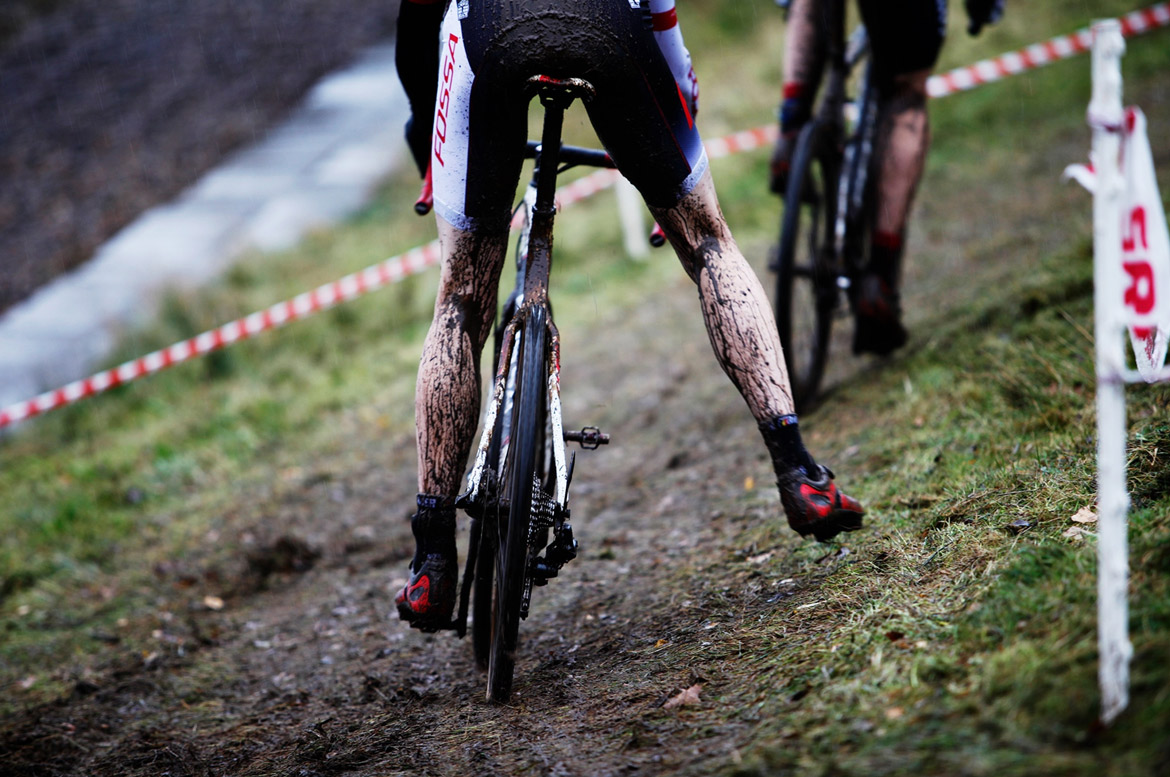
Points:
(878, 326)
(817, 506)
(427, 601)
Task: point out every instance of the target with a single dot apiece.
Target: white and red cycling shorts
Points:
(629, 50)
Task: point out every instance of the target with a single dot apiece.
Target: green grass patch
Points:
(964, 640)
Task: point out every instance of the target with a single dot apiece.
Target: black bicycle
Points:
(828, 213)
(518, 487)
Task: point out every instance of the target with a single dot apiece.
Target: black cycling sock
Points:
(782, 436)
(433, 527)
(794, 113)
(885, 257)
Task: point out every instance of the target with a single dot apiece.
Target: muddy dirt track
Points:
(110, 106)
(298, 667)
(306, 671)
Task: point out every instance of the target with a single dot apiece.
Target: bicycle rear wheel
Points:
(482, 592)
(806, 289)
(518, 485)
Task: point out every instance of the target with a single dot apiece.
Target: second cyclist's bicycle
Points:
(828, 215)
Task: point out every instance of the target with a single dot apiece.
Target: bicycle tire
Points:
(805, 285)
(482, 591)
(519, 477)
(483, 587)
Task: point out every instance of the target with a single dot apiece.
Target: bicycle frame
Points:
(853, 134)
(858, 151)
(536, 213)
(534, 264)
(826, 221)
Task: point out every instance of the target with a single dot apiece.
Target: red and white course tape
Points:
(1032, 57)
(304, 305)
(418, 259)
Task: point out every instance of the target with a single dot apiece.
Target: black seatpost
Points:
(555, 97)
(554, 104)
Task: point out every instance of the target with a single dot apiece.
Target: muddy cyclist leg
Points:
(900, 151)
(735, 308)
(743, 334)
(902, 142)
(447, 393)
(447, 396)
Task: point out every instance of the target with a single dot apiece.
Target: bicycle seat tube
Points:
(831, 28)
(555, 96)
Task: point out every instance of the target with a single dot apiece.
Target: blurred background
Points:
(108, 107)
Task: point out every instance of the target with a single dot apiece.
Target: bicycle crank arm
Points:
(590, 438)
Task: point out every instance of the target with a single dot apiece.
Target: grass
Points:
(965, 641)
(961, 641)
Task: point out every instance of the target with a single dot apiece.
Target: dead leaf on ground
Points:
(689, 696)
(1085, 515)
(1074, 533)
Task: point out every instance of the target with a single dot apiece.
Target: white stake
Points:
(1106, 116)
(634, 231)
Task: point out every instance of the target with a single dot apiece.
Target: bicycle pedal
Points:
(590, 438)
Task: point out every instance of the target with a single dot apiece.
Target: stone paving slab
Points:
(319, 166)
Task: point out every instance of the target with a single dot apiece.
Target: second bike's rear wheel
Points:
(517, 487)
(805, 285)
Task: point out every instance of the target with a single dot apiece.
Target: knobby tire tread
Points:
(524, 452)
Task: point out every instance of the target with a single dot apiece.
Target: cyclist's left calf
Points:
(885, 255)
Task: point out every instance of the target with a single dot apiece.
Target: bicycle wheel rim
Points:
(517, 484)
(805, 287)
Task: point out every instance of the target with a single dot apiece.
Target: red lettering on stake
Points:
(1137, 224)
(1141, 293)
